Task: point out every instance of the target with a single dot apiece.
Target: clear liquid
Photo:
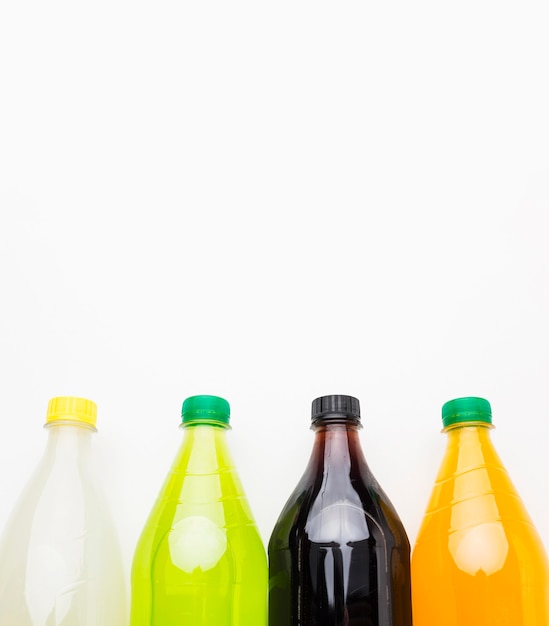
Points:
(59, 555)
(478, 560)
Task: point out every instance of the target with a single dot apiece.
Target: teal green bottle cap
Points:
(469, 409)
(205, 410)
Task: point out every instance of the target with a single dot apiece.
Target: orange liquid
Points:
(478, 560)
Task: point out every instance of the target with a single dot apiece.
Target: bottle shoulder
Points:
(353, 505)
(200, 500)
(477, 496)
(457, 483)
(61, 503)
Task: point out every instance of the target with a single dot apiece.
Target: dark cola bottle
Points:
(339, 554)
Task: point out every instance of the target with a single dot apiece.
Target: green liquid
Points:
(200, 560)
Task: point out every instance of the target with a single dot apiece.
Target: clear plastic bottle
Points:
(200, 560)
(59, 556)
(478, 560)
(338, 554)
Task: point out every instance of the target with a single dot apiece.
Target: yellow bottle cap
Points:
(72, 409)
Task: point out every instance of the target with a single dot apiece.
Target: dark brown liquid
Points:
(339, 555)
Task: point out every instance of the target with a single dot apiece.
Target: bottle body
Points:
(338, 554)
(200, 559)
(478, 560)
(59, 556)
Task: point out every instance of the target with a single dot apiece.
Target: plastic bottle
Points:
(59, 557)
(200, 560)
(478, 560)
(339, 554)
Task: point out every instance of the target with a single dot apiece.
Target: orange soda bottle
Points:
(478, 559)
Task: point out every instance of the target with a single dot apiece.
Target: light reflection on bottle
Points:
(196, 543)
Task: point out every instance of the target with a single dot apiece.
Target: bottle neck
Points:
(204, 449)
(337, 476)
(69, 440)
(470, 445)
(337, 444)
(469, 431)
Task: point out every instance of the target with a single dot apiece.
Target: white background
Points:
(271, 202)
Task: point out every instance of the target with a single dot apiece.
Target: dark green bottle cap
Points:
(205, 410)
(469, 409)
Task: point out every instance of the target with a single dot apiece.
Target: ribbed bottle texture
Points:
(338, 554)
(60, 563)
(200, 560)
(478, 560)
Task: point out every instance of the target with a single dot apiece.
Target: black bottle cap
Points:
(335, 408)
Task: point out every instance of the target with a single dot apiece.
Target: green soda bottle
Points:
(200, 560)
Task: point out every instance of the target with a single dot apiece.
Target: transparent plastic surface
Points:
(339, 555)
(200, 560)
(478, 560)
(59, 556)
